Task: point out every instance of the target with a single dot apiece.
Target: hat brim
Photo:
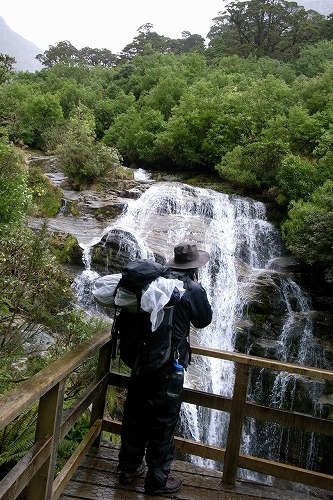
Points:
(202, 259)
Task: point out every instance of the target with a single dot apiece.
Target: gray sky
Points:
(110, 24)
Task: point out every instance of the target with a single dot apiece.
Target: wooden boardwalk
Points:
(97, 479)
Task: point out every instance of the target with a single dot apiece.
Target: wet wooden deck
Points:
(97, 478)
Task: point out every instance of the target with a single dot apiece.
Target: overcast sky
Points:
(110, 24)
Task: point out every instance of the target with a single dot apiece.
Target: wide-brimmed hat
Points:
(187, 256)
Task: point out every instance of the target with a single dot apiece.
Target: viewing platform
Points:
(90, 472)
(96, 478)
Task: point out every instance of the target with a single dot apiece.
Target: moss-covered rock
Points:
(66, 248)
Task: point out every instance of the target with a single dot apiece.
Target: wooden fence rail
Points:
(34, 474)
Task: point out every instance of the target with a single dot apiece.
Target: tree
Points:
(327, 28)
(188, 43)
(297, 178)
(12, 97)
(6, 67)
(276, 28)
(14, 193)
(39, 113)
(308, 231)
(97, 57)
(146, 42)
(63, 52)
(134, 135)
(252, 167)
(314, 58)
(296, 126)
(83, 160)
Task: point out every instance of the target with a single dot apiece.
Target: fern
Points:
(18, 437)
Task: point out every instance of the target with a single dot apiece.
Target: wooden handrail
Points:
(37, 467)
(30, 391)
(46, 387)
(271, 364)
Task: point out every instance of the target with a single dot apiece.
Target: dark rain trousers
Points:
(150, 418)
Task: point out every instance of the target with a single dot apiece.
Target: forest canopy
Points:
(253, 108)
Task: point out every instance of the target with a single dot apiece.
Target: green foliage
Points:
(39, 112)
(30, 281)
(15, 196)
(297, 127)
(17, 438)
(314, 58)
(45, 196)
(64, 247)
(277, 29)
(6, 67)
(297, 178)
(134, 134)
(64, 52)
(83, 160)
(76, 328)
(70, 442)
(84, 164)
(308, 231)
(253, 166)
(316, 93)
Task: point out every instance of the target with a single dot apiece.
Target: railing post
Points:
(48, 424)
(103, 369)
(237, 414)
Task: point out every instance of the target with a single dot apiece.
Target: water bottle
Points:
(176, 381)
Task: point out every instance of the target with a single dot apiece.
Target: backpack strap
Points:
(114, 333)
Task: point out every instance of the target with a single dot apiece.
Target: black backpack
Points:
(140, 348)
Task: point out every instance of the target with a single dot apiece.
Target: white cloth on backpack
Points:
(104, 287)
(157, 295)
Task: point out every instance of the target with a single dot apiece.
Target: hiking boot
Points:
(127, 477)
(172, 485)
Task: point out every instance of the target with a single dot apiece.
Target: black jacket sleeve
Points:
(199, 307)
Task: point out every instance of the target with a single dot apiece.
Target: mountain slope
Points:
(15, 45)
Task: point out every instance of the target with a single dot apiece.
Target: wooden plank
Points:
(97, 478)
(200, 449)
(74, 412)
(187, 446)
(208, 400)
(19, 476)
(285, 471)
(28, 392)
(75, 460)
(103, 368)
(283, 417)
(48, 423)
(271, 364)
(236, 424)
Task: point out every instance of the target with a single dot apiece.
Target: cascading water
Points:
(295, 344)
(241, 243)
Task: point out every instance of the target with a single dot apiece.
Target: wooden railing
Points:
(34, 474)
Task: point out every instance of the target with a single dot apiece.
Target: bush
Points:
(297, 178)
(45, 196)
(15, 196)
(253, 166)
(308, 231)
(33, 288)
(85, 163)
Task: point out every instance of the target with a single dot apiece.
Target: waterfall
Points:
(242, 244)
(295, 344)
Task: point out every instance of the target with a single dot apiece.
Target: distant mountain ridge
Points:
(15, 45)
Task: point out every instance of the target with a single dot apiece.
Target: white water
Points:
(241, 243)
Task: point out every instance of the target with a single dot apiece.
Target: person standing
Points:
(150, 414)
